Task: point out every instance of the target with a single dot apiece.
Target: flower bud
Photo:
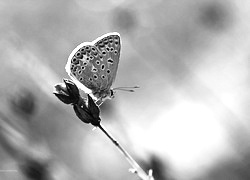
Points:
(72, 88)
(67, 92)
(23, 103)
(88, 113)
(82, 113)
(93, 108)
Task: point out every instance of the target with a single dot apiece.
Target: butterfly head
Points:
(103, 95)
(110, 93)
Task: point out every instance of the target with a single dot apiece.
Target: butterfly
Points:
(93, 65)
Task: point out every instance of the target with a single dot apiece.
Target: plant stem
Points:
(137, 169)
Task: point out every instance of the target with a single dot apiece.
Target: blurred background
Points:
(188, 121)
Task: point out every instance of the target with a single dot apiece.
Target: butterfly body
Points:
(93, 65)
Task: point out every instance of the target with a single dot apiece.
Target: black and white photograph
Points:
(124, 90)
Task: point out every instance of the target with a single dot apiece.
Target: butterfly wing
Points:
(110, 46)
(93, 65)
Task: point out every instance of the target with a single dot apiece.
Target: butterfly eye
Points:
(103, 66)
(95, 76)
(97, 62)
(108, 71)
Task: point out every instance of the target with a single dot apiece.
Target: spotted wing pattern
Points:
(94, 64)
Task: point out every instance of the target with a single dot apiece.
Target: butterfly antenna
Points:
(128, 89)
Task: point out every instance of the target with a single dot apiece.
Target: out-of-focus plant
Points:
(34, 160)
(88, 112)
(32, 163)
(23, 103)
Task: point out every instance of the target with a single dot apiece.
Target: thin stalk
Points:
(137, 169)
